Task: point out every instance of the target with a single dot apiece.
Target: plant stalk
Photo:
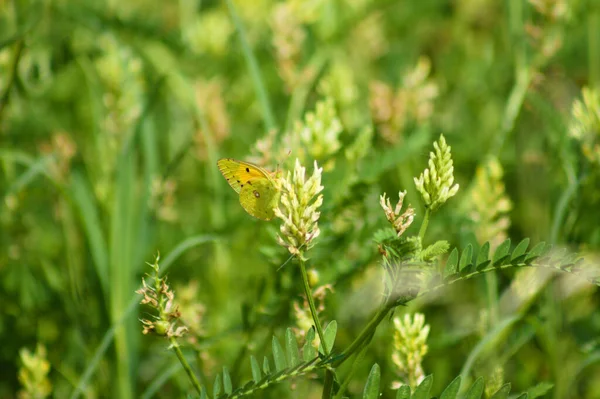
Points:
(311, 304)
(186, 365)
(366, 334)
(13, 76)
(425, 223)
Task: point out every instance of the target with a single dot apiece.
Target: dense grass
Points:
(113, 116)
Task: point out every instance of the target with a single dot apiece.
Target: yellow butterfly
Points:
(257, 187)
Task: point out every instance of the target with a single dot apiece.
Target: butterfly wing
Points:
(259, 197)
(239, 173)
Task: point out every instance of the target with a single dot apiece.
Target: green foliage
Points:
(287, 366)
(372, 386)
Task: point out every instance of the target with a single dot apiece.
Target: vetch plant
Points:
(300, 201)
(411, 268)
(436, 183)
(161, 299)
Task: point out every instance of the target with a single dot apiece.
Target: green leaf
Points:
(329, 335)
(308, 350)
(520, 249)
(372, 386)
(540, 389)
(476, 389)
(266, 366)
(535, 252)
(403, 392)
(203, 394)
(291, 347)
(256, 374)
(434, 250)
(83, 199)
(450, 268)
(278, 355)
(451, 390)
(422, 391)
(466, 258)
(523, 396)
(501, 252)
(217, 386)
(227, 386)
(502, 393)
(484, 254)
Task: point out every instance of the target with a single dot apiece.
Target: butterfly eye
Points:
(256, 194)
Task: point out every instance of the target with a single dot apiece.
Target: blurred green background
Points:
(114, 113)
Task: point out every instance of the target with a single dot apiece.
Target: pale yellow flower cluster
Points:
(33, 374)
(299, 208)
(436, 183)
(585, 124)
(410, 346)
(488, 205)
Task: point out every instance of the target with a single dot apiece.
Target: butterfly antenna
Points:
(289, 259)
(285, 263)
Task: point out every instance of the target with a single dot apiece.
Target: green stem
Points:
(259, 85)
(327, 385)
(424, 225)
(186, 365)
(311, 303)
(366, 334)
(522, 75)
(594, 48)
(358, 359)
(13, 76)
(561, 209)
(491, 283)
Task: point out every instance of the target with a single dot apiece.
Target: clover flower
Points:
(399, 221)
(298, 209)
(410, 346)
(436, 183)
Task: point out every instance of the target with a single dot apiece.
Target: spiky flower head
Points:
(436, 183)
(399, 221)
(298, 208)
(320, 131)
(488, 204)
(410, 346)
(161, 299)
(585, 124)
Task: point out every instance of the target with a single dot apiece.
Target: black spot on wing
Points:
(248, 170)
(256, 194)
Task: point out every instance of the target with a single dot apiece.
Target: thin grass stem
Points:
(259, 86)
